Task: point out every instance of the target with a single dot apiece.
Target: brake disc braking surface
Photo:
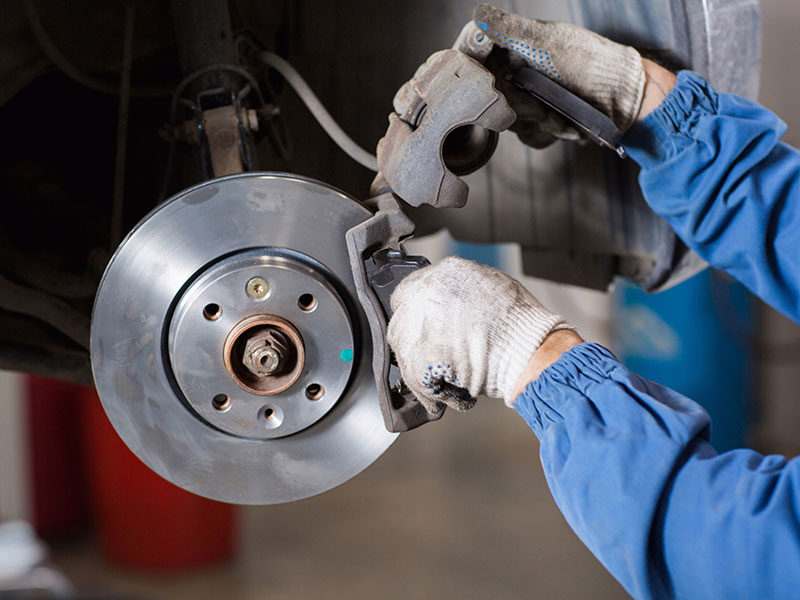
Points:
(229, 349)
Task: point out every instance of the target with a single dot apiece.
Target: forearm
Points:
(553, 346)
(608, 449)
(659, 82)
(629, 465)
(714, 168)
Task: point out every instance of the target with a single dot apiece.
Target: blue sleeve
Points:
(713, 166)
(629, 465)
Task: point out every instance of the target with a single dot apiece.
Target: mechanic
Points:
(627, 460)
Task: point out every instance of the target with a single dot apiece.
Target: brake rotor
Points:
(227, 346)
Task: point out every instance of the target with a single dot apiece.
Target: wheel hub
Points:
(261, 352)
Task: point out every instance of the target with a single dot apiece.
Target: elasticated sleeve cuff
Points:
(670, 127)
(577, 370)
(588, 384)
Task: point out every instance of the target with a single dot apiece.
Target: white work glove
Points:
(607, 75)
(461, 329)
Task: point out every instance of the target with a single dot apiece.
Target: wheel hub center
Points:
(264, 354)
(261, 345)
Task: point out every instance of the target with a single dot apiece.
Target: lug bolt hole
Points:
(314, 391)
(307, 302)
(212, 311)
(271, 417)
(221, 402)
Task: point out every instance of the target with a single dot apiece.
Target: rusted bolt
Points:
(251, 350)
(257, 288)
(265, 353)
(268, 359)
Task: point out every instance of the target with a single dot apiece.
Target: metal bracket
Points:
(451, 91)
(379, 263)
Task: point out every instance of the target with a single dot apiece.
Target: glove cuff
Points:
(618, 85)
(519, 336)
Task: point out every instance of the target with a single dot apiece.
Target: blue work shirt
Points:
(627, 460)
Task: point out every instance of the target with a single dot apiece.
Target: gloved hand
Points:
(461, 329)
(605, 74)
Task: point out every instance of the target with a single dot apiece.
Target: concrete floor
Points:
(458, 508)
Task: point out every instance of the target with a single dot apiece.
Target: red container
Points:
(58, 487)
(144, 521)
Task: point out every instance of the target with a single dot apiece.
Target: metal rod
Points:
(204, 36)
(122, 127)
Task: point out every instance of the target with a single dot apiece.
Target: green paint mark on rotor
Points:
(346, 355)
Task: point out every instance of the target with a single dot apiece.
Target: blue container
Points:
(486, 254)
(696, 339)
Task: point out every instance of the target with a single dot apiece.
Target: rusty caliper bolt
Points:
(265, 354)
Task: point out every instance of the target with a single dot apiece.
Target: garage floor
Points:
(456, 509)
